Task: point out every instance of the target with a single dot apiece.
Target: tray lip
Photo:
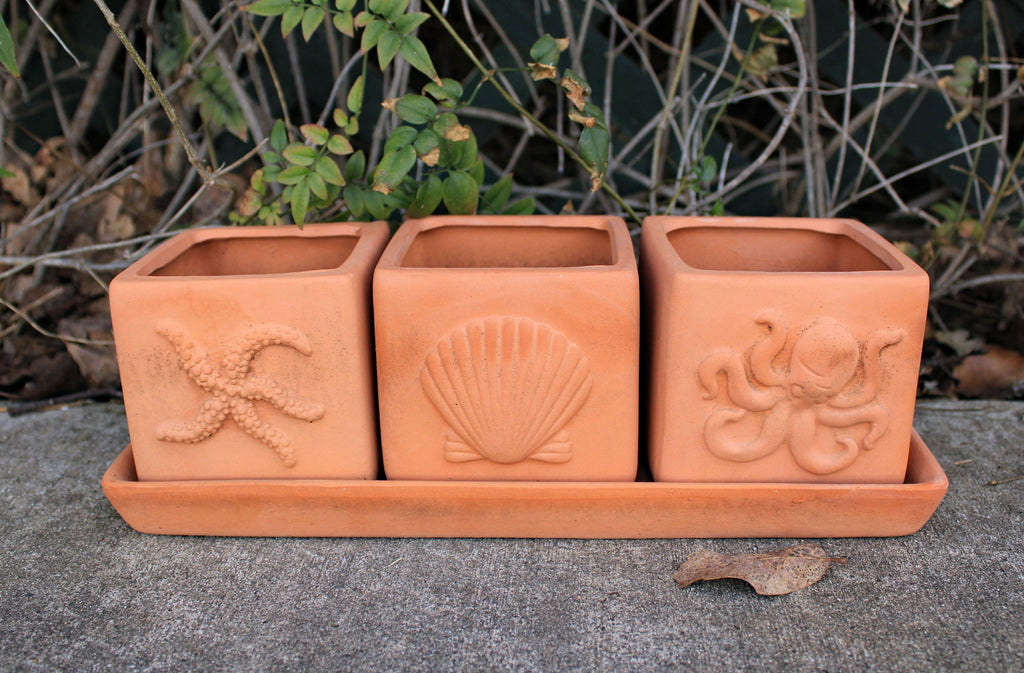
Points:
(120, 476)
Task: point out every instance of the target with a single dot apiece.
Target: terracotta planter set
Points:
(523, 377)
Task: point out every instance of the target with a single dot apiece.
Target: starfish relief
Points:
(234, 388)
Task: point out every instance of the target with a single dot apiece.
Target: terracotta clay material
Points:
(527, 509)
(780, 350)
(247, 353)
(508, 349)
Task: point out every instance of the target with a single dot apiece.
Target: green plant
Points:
(451, 171)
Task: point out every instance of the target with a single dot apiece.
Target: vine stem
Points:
(1011, 175)
(488, 75)
(172, 115)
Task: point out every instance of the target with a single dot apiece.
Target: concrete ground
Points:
(81, 591)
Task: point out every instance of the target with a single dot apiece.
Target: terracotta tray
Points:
(321, 508)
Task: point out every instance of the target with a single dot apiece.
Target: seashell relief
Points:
(506, 387)
(233, 388)
(814, 403)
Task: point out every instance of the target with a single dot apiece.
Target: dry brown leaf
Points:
(114, 224)
(961, 341)
(772, 574)
(999, 372)
(457, 133)
(97, 363)
(539, 71)
(432, 157)
(220, 196)
(576, 92)
(19, 187)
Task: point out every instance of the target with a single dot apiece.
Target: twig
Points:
(682, 63)
(103, 395)
(97, 79)
(30, 307)
(21, 263)
(169, 110)
(914, 169)
(52, 31)
(540, 126)
(1006, 481)
(992, 279)
(227, 69)
(45, 332)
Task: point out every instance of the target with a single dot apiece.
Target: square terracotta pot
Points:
(780, 350)
(247, 353)
(508, 349)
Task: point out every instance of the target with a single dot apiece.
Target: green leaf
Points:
(300, 155)
(292, 175)
(311, 20)
(448, 89)
(477, 171)
(354, 200)
(355, 166)
(339, 145)
(497, 196)
(344, 5)
(521, 207)
(708, 169)
(317, 185)
(391, 9)
(314, 133)
(795, 9)
(355, 96)
(594, 147)
(266, 7)
(413, 51)
(4, 173)
(364, 19)
(300, 204)
(460, 193)
(278, 136)
(328, 170)
(387, 47)
(399, 138)
(272, 173)
(372, 33)
(374, 202)
(469, 153)
(255, 181)
(428, 198)
(547, 49)
(407, 23)
(717, 208)
(339, 117)
(343, 24)
(426, 142)
(291, 18)
(393, 167)
(415, 109)
(401, 198)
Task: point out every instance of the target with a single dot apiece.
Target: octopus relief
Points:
(813, 403)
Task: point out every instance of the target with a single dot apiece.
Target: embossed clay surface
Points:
(508, 349)
(247, 353)
(779, 350)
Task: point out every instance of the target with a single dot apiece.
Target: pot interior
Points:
(459, 246)
(260, 255)
(780, 250)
